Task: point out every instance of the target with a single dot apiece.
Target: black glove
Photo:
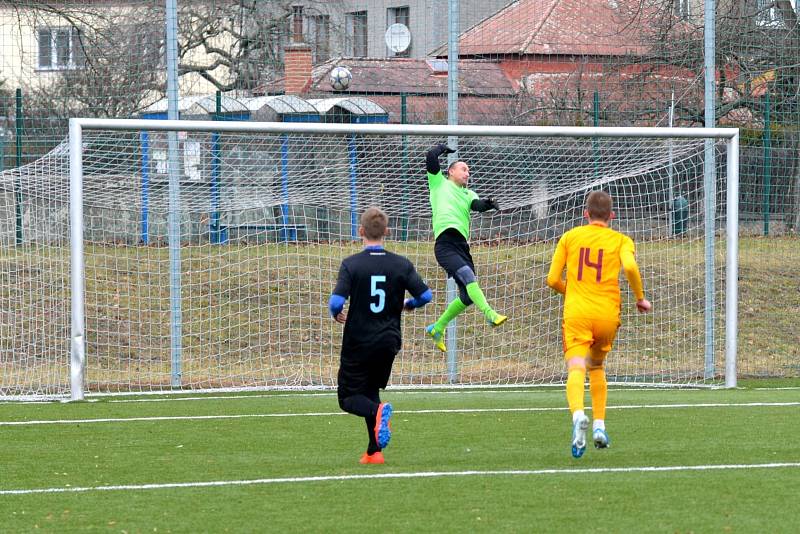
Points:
(444, 149)
(432, 158)
(484, 204)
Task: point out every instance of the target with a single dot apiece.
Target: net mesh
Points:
(265, 220)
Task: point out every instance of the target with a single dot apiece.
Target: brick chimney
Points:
(297, 58)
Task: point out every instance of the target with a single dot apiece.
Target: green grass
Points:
(150, 451)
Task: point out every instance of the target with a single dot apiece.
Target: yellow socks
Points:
(575, 380)
(598, 387)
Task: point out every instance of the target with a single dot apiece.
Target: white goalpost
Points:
(209, 265)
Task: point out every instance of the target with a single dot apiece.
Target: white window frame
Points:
(74, 61)
(318, 32)
(350, 32)
(682, 9)
(772, 16)
(392, 18)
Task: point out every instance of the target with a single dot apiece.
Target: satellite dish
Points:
(398, 37)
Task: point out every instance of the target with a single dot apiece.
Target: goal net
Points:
(208, 262)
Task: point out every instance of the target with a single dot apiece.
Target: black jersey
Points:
(376, 281)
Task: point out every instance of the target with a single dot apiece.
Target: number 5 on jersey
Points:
(374, 290)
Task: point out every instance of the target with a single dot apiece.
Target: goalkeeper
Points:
(451, 202)
(593, 255)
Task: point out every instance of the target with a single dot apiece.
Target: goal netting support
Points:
(207, 263)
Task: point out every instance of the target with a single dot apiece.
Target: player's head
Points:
(374, 224)
(599, 207)
(458, 171)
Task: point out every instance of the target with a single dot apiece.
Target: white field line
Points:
(433, 411)
(393, 392)
(197, 395)
(421, 474)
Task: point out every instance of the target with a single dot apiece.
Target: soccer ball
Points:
(340, 78)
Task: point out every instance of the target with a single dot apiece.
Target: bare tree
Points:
(114, 62)
(239, 44)
(93, 60)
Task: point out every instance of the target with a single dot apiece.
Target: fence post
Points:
(218, 235)
(596, 123)
(404, 216)
(767, 162)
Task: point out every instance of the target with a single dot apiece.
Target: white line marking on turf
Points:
(421, 474)
(199, 395)
(315, 393)
(433, 411)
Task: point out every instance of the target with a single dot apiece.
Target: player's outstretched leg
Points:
(580, 424)
(383, 429)
(437, 329)
(437, 336)
(476, 295)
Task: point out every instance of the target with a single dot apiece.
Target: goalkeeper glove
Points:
(432, 157)
(444, 149)
(484, 204)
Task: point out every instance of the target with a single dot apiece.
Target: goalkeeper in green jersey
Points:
(451, 202)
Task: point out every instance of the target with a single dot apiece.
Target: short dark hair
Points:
(454, 164)
(374, 221)
(599, 205)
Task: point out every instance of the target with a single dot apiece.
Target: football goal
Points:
(198, 255)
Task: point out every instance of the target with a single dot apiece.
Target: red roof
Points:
(429, 109)
(372, 76)
(568, 27)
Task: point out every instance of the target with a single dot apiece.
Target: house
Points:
(412, 90)
(367, 21)
(579, 60)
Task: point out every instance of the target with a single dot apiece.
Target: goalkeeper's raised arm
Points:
(432, 157)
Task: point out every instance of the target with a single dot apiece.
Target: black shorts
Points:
(452, 252)
(364, 371)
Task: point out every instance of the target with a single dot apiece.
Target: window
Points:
(275, 42)
(769, 14)
(319, 32)
(61, 48)
(398, 15)
(356, 29)
(437, 66)
(140, 41)
(680, 9)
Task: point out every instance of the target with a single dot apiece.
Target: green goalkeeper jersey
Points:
(450, 204)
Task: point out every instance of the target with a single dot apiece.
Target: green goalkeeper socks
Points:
(475, 293)
(457, 306)
(449, 314)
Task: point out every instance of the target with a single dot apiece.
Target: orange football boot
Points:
(374, 458)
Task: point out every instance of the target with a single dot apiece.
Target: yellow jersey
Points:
(593, 255)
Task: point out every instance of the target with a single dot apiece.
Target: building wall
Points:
(19, 46)
(428, 21)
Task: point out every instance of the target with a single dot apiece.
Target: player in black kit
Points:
(375, 280)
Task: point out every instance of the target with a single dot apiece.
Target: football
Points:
(340, 78)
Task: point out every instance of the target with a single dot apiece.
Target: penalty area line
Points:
(412, 475)
(406, 412)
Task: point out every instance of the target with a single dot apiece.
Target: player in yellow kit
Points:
(593, 255)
